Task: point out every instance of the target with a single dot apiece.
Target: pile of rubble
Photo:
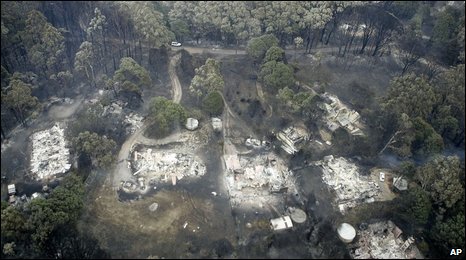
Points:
(256, 178)
(383, 240)
(257, 144)
(49, 153)
(291, 137)
(133, 122)
(165, 166)
(339, 115)
(350, 186)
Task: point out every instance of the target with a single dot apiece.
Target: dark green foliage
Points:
(440, 177)
(100, 149)
(426, 140)
(164, 115)
(445, 35)
(207, 79)
(44, 43)
(416, 206)
(450, 233)
(276, 75)
(275, 53)
(407, 169)
(132, 77)
(257, 47)
(411, 95)
(63, 207)
(18, 98)
(13, 223)
(213, 104)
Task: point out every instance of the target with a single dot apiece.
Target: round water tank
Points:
(298, 215)
(192, 123)
(346, 232)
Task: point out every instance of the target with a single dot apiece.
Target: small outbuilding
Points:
(11, 189)
(400, 183)
(281, 223)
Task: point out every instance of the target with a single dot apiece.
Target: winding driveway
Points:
(122, 170)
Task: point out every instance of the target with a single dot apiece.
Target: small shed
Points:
(281, 223)
(11, 189)
(400, 183)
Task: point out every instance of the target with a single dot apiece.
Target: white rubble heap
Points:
(292, 136)
(350, 187)
(164, 166)
(382, 240)
(217, 124)
(134, 121)
(256, 179)
(339, 115)
(49, 153)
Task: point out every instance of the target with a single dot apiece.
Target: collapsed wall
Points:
(49, 156)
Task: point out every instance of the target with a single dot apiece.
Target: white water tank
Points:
(346, 232)
(192, 123)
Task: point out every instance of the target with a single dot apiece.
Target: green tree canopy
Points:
(61, 208)
(131, 71)
(276, 75)
(164, 115)
(445, 34)
(44, 43)
(100, 149)
(84, 60)
(416, 206)
(207, 79)
(274, 53)
(213, 103)
(18, 97)
(450, 233)
(13, 223)
(258, 46)
(441, 178)
(426, 140)
(411, 95)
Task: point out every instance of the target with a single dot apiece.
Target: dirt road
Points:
(176, 86)
(122, 171)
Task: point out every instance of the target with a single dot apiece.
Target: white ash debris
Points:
(50, 156)
(134, 122)
(383, 240)
(163, 166)
(256, 178)
(339, 115)
(351, 188)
